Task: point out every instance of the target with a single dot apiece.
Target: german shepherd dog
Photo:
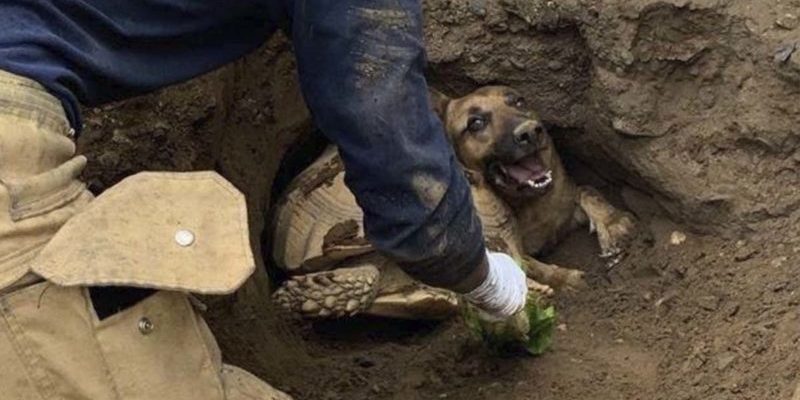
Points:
(501, 141)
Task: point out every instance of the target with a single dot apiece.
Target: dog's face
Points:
(495, 133)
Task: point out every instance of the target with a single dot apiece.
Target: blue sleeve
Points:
(361, 66)
(92, 52)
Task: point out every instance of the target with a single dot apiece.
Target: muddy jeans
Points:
(173, 233)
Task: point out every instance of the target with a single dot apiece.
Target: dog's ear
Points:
(439, 102)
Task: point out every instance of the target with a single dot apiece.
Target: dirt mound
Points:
(684, 112)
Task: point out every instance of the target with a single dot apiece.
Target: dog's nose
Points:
(528, 132)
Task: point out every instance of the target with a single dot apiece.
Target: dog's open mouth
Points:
(528, 173)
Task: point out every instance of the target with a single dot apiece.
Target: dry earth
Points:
(685, 113)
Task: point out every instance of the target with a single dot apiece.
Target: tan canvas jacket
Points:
(184, 233)
(178, 233)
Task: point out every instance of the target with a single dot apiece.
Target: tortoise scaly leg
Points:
(400, 296)
(329, 294)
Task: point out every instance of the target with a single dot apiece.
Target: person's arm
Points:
(361, 66)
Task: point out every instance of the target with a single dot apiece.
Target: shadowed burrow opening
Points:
(299, 156)
(606, 177)
(618, 187)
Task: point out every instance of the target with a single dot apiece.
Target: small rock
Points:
(562, 327)
(376, 389)
(784, 53)
(677, 238)
(788, 22)
(478, 8)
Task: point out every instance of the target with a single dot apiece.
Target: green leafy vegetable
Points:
(530, 330)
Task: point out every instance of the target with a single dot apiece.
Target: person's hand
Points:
(505, 289)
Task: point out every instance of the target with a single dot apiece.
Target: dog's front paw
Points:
(552, 276)
(540, 288)
(614, 227)
(614, 234)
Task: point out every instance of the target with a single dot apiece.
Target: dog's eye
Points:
(476, 124)
(519, 102)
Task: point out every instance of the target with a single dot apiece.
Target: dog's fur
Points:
(508, 134)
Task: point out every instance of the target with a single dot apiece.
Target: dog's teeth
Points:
(548, 179)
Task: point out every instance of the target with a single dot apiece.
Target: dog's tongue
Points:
(529, 168)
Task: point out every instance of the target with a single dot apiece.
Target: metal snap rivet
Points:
(184, 237)
(146, 326)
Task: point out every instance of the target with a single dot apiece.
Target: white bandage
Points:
(505, 289)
